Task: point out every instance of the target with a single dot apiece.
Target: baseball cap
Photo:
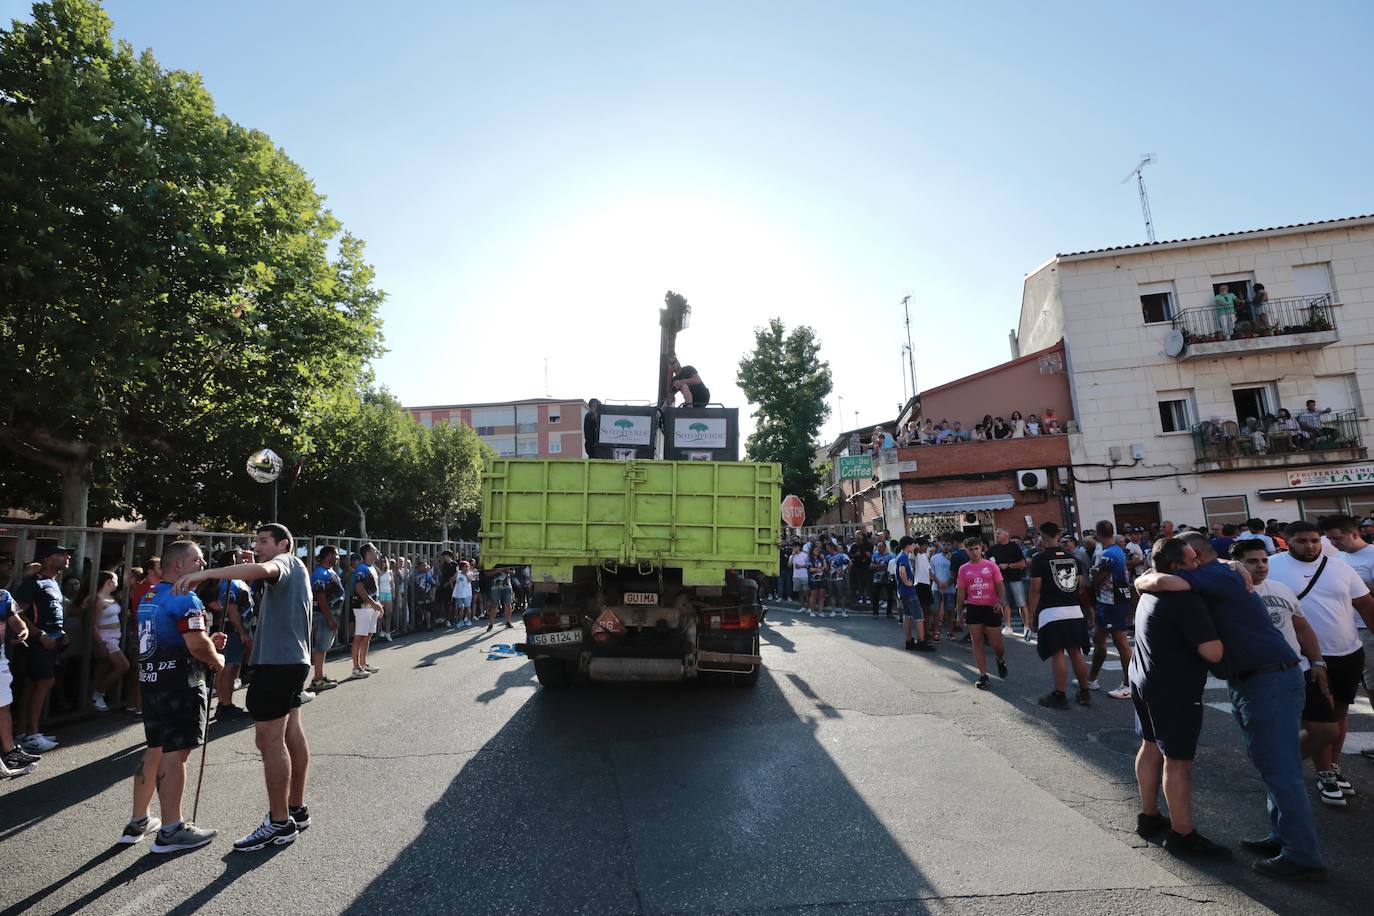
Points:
(49, 549)
(1363, 522)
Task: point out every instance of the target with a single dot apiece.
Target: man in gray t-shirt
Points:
(281, 656)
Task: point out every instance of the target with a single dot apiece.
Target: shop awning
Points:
(959, 504)
(1330, 489)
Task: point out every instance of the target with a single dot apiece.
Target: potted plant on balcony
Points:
(1318, 322)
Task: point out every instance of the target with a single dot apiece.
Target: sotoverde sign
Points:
(699, 432)
(1352, 473)
(617, 429)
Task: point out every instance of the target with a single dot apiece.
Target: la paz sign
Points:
(1316, 477)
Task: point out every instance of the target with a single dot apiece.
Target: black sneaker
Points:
(1150, 826)
(1266, 846)
(301, 816)
(1002, 668)
(1194, 846)
(1054, 700)
(982, 682)
(268, 834)
(923, 646)
(1288, 870)
(1084, 697)
(910, 645)
(967, 640)
(229, 711)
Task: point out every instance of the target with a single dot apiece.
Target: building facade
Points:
(533, 428)
(970, 487)
(1177, 397)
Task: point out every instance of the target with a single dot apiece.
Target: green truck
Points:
(641, 569)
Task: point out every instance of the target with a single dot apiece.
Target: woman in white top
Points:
(385, 596)
(1018, 425)
(801, 578)
(111, 665)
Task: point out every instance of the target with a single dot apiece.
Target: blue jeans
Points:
(1269, 709)
(911, 607)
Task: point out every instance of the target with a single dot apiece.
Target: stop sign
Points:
(793, 511)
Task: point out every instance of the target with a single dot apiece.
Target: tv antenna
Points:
(910, 351)
(546, 377)
(1138, 174)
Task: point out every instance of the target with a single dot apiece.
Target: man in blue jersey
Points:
(1114, 613)
(174, 650)
(327, 589)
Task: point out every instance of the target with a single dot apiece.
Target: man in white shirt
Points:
(1345, 535)
(1255, 532)
(1319, 729)
(1332, 596)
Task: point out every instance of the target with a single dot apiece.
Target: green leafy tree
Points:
(451, 473)
(165, 271)
(789, 382)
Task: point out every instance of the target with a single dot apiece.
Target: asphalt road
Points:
(856, 778)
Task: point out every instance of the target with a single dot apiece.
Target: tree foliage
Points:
(174, 285)
(789, 382)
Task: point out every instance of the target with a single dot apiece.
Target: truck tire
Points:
(551, 672)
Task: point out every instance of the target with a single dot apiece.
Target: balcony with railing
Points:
(1277, 325)
(1227, 446)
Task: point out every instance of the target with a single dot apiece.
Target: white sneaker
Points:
(306, 697)
(1094, 685)
(831, 614)
(812, 613)
(844, 613)
(358, 672)
(98, 701)
(1008, 631)
(1121, 693)
(38, 744)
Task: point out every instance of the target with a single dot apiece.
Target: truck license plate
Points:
(553, 639)
(641, 597)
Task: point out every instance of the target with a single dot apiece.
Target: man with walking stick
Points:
(281, 659)
(174, 649)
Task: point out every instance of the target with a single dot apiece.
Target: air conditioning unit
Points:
(1037, 479)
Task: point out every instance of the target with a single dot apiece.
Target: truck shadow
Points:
(629, 798)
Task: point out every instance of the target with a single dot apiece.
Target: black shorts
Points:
(1171, 722)
(275, 691)
(924, 595)
(1317, 708)
(982, 615)
(41, 663)
(174, 718)
(1345, 673)
(1060, 636)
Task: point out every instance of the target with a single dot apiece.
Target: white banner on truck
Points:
(699, 432)
(619, 429)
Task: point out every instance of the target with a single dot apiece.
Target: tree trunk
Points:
(76, 494)
(444, 536)
(362, 521)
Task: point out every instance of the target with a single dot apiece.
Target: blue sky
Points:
(531, 177)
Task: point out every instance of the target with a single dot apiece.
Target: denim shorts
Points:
(233, 648)
(503, 596)
(946, 599)
(1017, 592)
(911, 607)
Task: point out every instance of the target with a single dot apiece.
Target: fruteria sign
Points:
(1316, 477)
(699, 432)
(619, 429)
(855, 467)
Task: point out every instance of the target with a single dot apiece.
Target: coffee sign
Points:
(1352, 473)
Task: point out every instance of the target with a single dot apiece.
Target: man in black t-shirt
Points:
(860, 556)
(1175, 641)
(1012, 562)
(1056, 593)
(688, 383)
(591, 426)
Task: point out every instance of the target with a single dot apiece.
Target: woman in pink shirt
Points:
(982, 594)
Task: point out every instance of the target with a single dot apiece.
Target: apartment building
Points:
(535, 427)
(1176, 387)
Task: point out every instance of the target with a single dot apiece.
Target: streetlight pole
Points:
(910, 351)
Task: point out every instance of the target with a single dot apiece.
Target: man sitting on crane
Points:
(688, 383)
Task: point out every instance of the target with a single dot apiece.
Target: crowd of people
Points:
(358, 596)
(1281, 432)
(952, 432)
(1273, 610)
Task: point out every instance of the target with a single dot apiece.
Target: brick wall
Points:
(986, 457)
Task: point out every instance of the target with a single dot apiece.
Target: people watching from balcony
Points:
(1000, 429)
(980, 433)
(1311, 422)
(1224, 302)
(1018, 425)
(951, 432)
(958, 433)
(1032, 425)
(1051, 422)
(1287, 425)
(1257, 306)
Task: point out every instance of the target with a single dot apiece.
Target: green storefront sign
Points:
(856, 467)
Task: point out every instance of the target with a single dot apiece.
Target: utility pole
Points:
(1138, 174)
(840, 414)
(910, 351)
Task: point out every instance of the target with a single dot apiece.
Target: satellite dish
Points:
(264, 465)
(1174, 343)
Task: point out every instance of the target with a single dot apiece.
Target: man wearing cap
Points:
(328, 591)
(41, 597)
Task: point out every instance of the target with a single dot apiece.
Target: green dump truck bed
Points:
(702, 517)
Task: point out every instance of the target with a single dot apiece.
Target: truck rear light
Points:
(732, 620)
(550, 621)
